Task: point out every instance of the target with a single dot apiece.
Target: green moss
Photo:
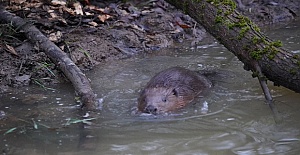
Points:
(271, 56)
(255, 40)
(255, 27)
(246, 47)
(229, 24)
(277, 43)
(257, 54)
(230, 3)
(272, 53)
(242, 22)
(219, 11)
(269, 50)
(219, 19)
(245, 24)
(243, 31)
(296, 56)
(227, 12)
(264, 41)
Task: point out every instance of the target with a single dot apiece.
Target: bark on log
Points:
(73, 73)
(244, 39)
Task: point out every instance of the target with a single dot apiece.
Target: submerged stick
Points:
(263, 83)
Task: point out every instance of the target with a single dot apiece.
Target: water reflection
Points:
(235, 120)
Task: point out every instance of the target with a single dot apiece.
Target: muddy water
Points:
(231, 119)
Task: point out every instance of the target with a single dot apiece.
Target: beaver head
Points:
(171, 89)
(159, 100)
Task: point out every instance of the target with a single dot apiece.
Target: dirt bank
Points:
(96, 32)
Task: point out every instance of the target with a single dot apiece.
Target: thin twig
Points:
(21, 66)
(263, 83)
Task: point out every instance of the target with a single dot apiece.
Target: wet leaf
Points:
(10, 131)
(35, 126)
(75, 121)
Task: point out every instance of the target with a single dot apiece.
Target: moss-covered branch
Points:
(244, 39)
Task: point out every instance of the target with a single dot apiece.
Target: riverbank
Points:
(94, 32)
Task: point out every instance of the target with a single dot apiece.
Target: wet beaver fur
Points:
(171, 89)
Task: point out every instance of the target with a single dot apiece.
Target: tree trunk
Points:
(244, 39)
(73, 73)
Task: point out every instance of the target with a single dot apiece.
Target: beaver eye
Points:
(174, 91)
(164, 99)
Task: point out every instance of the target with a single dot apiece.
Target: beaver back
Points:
(171, 89)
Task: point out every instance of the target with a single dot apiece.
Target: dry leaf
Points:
(93, 24)
(32, 5)
(58, 2)
(176, 31)
(18, 1)
(53, 15)
(88, 14)
(50, 11)
(137, 27)
(183, 25)
(11, 50)
(103, 18)
(55, 36)
(62, 20)
(69, 10)
(123, 12)
(78, 8)
(15, 7)
(91, 7)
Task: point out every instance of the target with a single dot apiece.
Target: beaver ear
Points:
(175, 92)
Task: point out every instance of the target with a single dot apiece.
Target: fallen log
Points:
(65, 64)
(244, 39)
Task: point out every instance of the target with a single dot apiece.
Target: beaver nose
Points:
(151, 109)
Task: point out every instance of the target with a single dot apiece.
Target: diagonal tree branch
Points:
(73, 73)
(244, 39)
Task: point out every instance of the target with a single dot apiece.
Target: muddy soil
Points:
(120, 31)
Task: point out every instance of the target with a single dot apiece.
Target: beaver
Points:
(171, 89)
